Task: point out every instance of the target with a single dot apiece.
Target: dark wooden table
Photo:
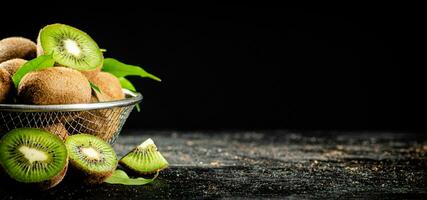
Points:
(269, 164)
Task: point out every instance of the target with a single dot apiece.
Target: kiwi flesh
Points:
(12, 65)
(69, 47)
(6, 85)
(109, 85)
(57, 129)
(144, 159)
(91, 158)
(17, 47)
(54, 85)
(33, 157)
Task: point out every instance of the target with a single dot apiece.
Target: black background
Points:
(313, 67)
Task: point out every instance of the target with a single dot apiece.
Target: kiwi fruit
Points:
(33, 157)
(6, 85)
(57, 129)
(12, 65)
(91, 158)
(144, 159)
(17, 47)
(54, 85)
(109, 85)
(91, 73)
(103, 123)
(70, 47)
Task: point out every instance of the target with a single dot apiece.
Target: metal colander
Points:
(103, 119)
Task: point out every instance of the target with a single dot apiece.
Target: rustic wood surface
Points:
(268, 164)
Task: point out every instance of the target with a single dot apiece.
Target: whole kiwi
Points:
(103, 123)
(6, 85)
(12, 65)
(109, 85)
(57, 129)
(17, 47)
(91, 73)
(54, 85)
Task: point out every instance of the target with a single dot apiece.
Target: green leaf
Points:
(120, 69)
(120, 177)
(125, 83)
(137, 107)
(41, 62)
(95, 87)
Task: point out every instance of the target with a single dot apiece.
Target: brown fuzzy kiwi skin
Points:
(17, 47)
(54, 85)
(101, 123)
(54, 181)
(57, 129)
(13, 65)
(6, 86)
(109, 85)
(92, 73)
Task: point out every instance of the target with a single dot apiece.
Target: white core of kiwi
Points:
(72, 47)
(91, 153)
(33, 155)
(147, 143)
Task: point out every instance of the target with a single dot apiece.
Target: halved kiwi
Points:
(90, 158)
(144, 159)
(69, 47)
(33, 157)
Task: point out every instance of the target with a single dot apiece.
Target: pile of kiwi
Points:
(42, 157)
(39, 159)
(78, 61)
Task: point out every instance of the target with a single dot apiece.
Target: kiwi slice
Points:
(34, 157)
(69, 47)
(91, 158)
(144, 159)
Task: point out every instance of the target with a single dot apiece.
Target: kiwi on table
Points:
(144, 159)
(70, 47)
(33, 157)
(17, 47)
(54, 85)
(6, 85)
(12, 65)
(57, 129)
(109, 85)
(91, 158)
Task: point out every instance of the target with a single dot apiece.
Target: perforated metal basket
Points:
(103, 119)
